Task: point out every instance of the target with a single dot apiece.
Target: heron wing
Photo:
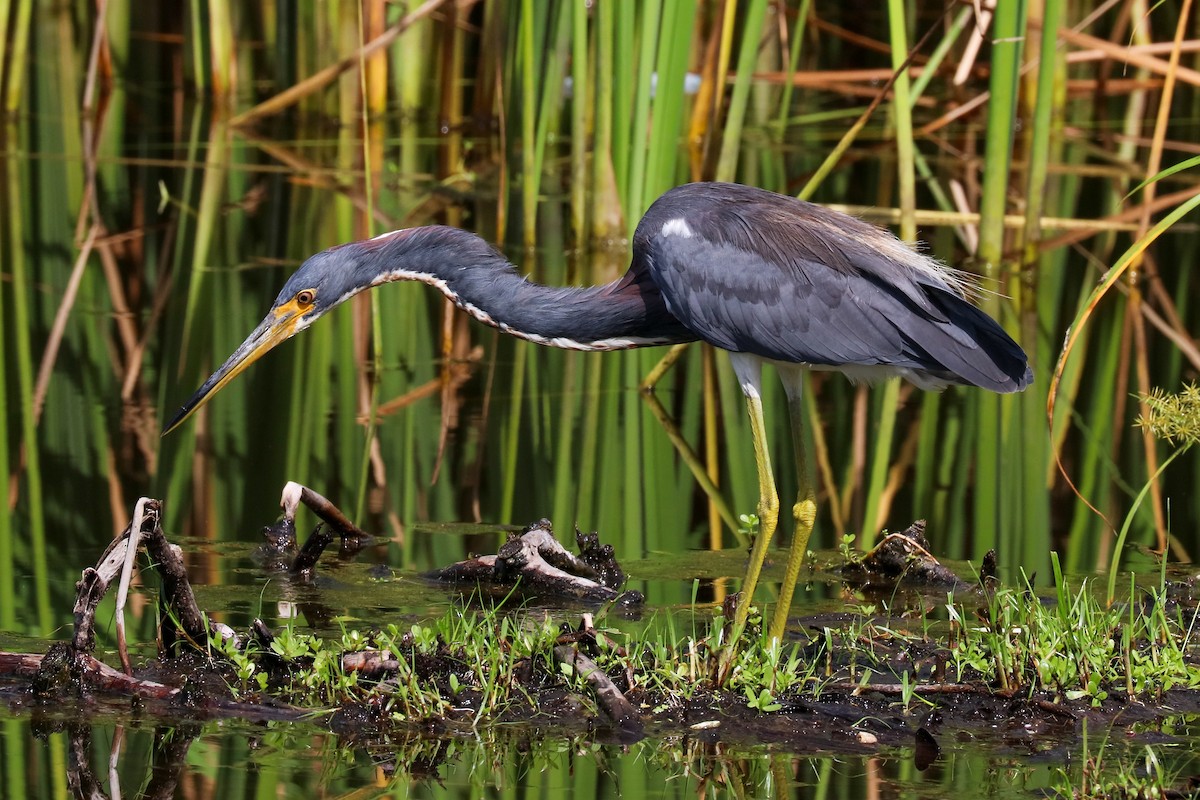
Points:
(750, 271)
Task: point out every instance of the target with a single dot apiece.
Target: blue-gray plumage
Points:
(785, 280)
(764, 276)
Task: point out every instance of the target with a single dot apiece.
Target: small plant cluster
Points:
(1174, 417)
(476, 665)
(458, 664)
(669, 672)
(1078, 647)
(480, 664)
(1075, 648)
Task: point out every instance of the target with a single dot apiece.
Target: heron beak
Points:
(282, 323)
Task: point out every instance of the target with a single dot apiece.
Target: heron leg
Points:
(768, 497)
(805, 509)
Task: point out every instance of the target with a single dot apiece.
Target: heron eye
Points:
(305, 297)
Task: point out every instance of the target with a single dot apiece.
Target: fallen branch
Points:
(294, 494)
(537, 564)
(611, 699)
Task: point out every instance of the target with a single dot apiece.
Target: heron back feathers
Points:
(751, 271)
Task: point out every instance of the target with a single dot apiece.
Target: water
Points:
(236, 759)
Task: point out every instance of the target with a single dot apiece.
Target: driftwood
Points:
(609, 697)
(181, 617)
(534, 562)
(532, 557)
(281, 536)
(72, 666)
(904, 559)
(294, 494)
(92, 587)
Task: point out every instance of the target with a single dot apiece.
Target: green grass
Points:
(1074, 649)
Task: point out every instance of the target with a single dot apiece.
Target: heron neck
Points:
(628, 312)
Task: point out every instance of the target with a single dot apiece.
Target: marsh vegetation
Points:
(165, 166)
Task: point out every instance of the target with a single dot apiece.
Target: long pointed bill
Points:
(280, 324)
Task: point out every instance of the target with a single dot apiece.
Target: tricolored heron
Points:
(769, 278)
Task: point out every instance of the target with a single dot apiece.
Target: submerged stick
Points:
(144, 509)
(611, 699)
(182, 617)
(294, 494)
(90, 590)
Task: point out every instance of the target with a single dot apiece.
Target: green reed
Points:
(556, 178)
(992, 511)
(1041, 102)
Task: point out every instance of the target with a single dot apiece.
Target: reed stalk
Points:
(16, 16)
(476, 119)
(995, 451)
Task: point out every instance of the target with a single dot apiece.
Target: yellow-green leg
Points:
(804, 511)
(768, 507)
(748, 369)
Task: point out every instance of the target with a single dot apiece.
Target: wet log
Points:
(904, 559)
(610, 698)
(534, 562)
(294, 494)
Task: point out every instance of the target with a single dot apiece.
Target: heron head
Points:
(321, 283)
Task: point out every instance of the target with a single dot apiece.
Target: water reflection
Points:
(235, 759)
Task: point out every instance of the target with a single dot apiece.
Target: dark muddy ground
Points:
(843, 717)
